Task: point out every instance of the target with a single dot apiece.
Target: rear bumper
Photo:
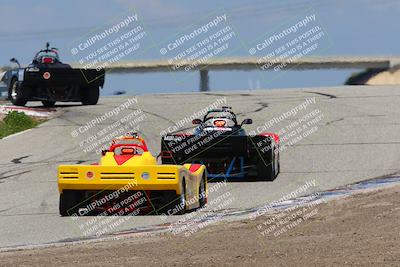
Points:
(138, 178)
(234, 169)
(65, 77)
(66, 93)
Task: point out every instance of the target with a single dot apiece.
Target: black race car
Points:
(47, 79)
(220, 143)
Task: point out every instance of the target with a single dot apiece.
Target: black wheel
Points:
(279, 166)
(202, 192)
(48, 103)
(69, 202)
(266, 168)
(177, 203)
(16, 94)
(90, 95)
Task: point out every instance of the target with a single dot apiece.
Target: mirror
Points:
(196, 121)
(14, 60)
(247, 121)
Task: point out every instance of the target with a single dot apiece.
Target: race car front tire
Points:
(90, 95)
(279, 166)
(17, 94)
(69, 202)
(202, 192)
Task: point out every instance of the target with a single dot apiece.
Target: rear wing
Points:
(62, 76)
(98, 177)
(179, 149)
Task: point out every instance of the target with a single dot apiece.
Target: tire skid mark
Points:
(323, 94)
(333, 121)
(18, 160)
(3, 176)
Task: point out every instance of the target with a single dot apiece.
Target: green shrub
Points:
(15, 122)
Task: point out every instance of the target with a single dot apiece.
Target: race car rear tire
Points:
(18, 95)
(202, 192)
(266, 169)
(48, 103)
(69, 202)
(279, 166)
(177, 203)
(90, 95)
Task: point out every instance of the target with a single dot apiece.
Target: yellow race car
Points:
(128, 181)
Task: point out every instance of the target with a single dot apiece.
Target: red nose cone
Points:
(219, 123)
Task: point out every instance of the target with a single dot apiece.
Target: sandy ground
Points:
(360, 230)
(389, 77)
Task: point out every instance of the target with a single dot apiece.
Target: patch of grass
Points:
(15, 122)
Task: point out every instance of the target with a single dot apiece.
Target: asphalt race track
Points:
(356, 139)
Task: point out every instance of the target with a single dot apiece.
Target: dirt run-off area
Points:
(358, 230)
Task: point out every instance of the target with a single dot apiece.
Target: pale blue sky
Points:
(359, 27)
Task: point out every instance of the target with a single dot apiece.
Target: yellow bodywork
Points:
(140, 172)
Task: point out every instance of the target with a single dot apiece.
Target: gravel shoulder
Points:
(359, 230)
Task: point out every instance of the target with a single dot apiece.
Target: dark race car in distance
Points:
(222, 145)
(47, 79)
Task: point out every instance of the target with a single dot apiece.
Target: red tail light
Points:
(47, 60)
(219, 123)
(128, 150)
